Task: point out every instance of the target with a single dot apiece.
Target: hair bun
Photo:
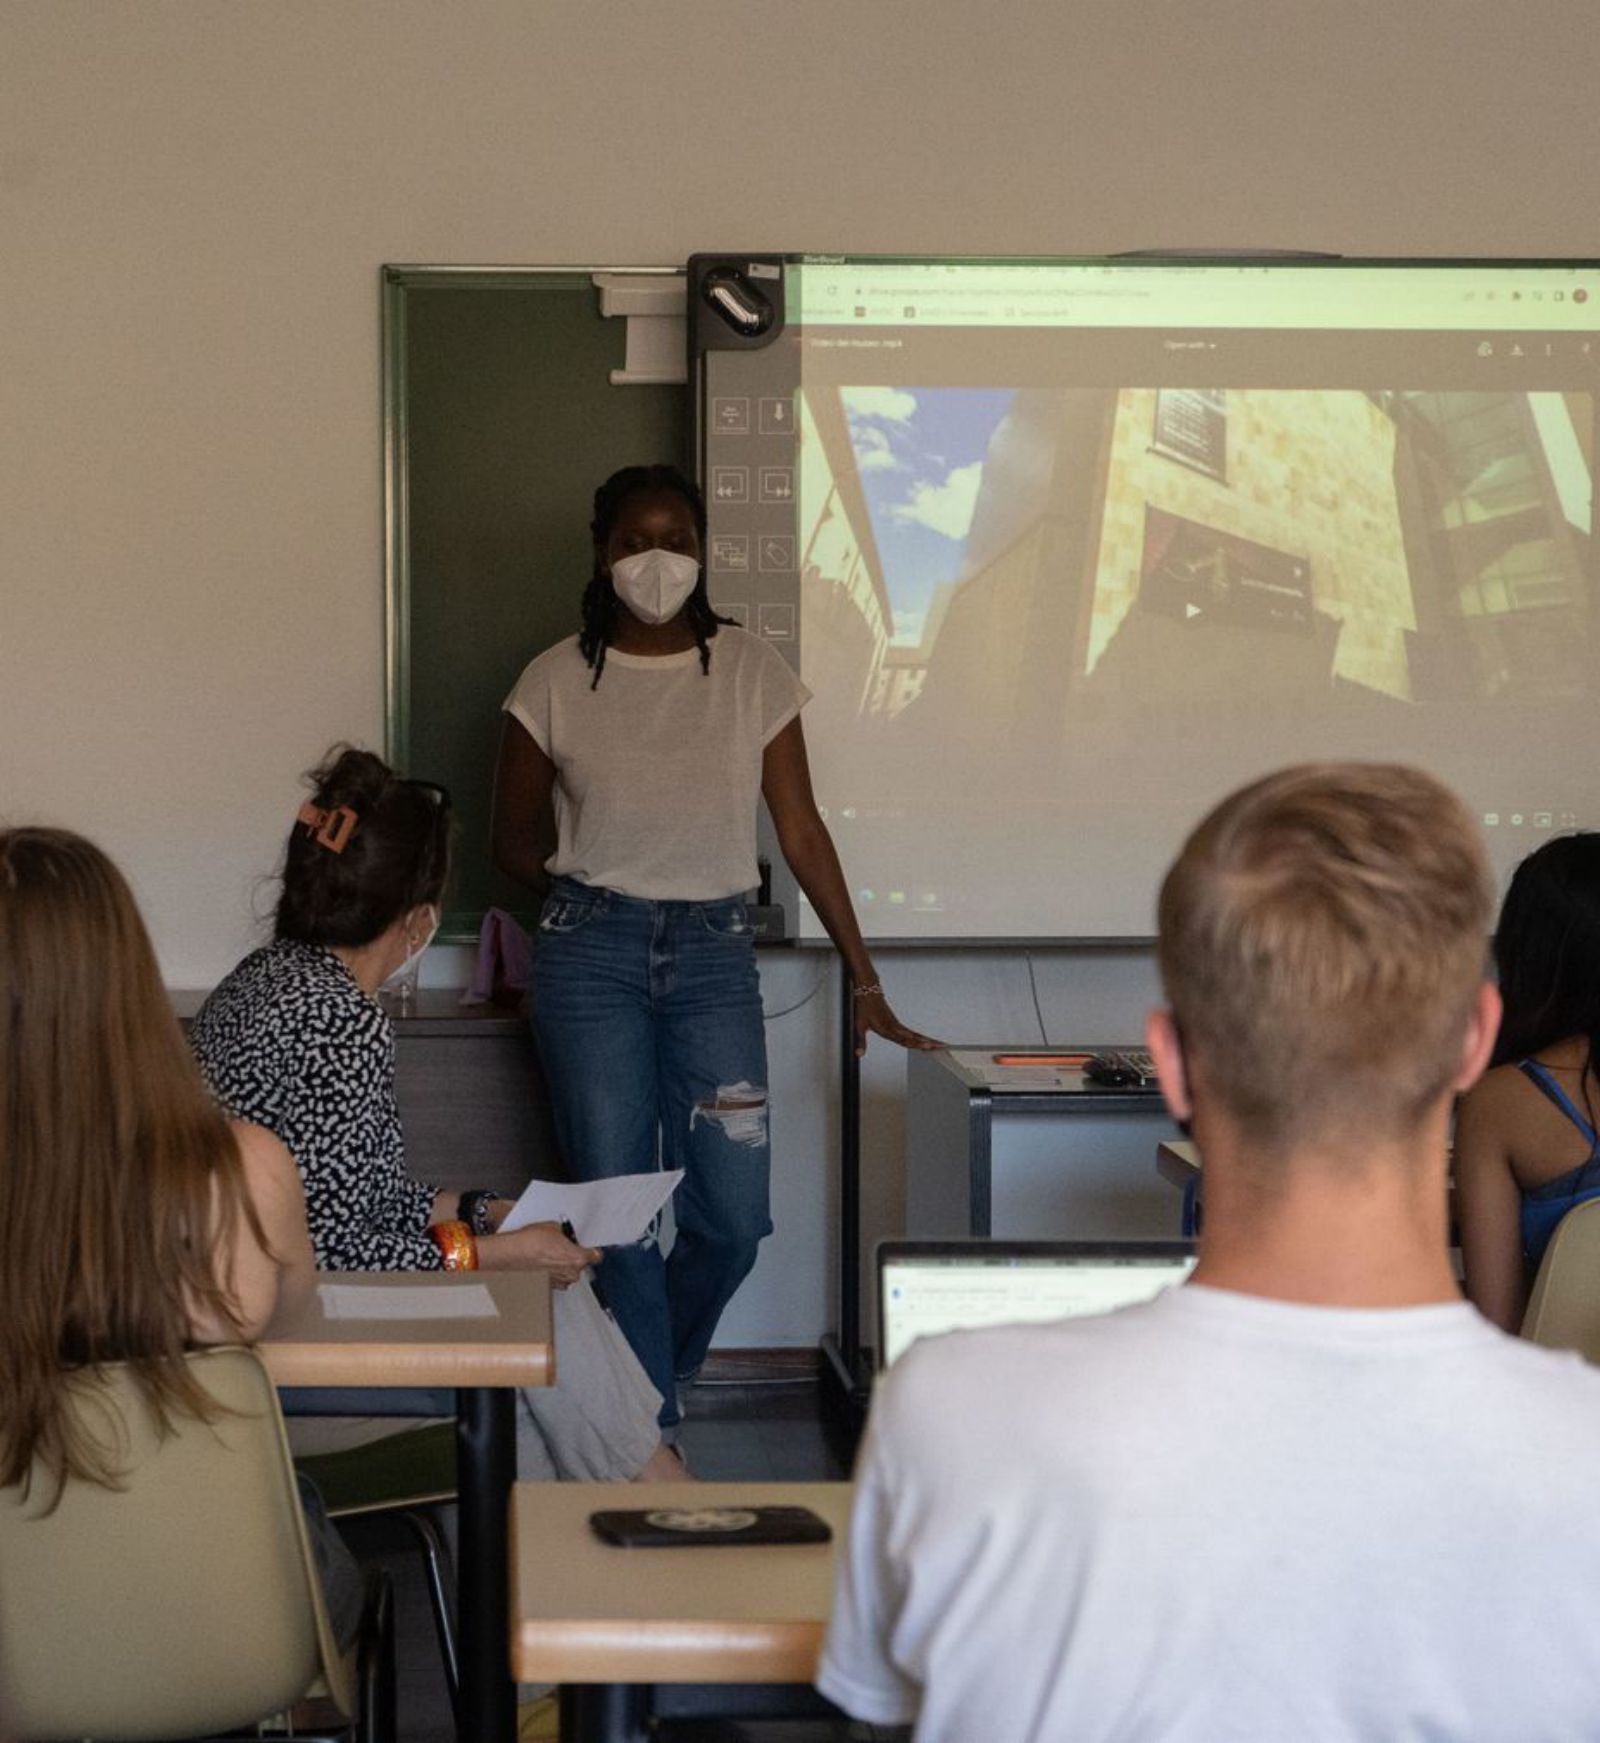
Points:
(398, 855)
(347, 776)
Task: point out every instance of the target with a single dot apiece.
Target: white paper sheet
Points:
(406, 1301)
(604, 1213)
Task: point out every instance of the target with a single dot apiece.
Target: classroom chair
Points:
(406, 1477)
(186, 1602)
(1564, 1308)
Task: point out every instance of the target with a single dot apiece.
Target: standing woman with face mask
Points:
(654, 731)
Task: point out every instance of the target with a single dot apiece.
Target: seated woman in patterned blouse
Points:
(295, 1040)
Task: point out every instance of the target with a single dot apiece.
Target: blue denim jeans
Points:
(648, 1020)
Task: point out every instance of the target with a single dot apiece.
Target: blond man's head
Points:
(1322, 940)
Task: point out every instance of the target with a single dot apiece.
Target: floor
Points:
(765, 1433)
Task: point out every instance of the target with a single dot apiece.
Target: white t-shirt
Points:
(1217, 1517)
(659, 768)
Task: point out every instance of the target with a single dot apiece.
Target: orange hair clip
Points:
(329, 829)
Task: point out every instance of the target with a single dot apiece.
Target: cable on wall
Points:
(1038, 1009)
(800, 1003)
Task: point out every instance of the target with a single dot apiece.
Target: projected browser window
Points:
(924, 1297)
(1080, 547)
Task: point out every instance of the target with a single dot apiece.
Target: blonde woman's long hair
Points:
(121, 1188)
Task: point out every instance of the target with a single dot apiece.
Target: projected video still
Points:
(1396, 544)
(1069, 573)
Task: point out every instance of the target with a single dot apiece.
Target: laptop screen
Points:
(927, 1287)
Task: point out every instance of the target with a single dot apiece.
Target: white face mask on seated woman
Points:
(654, 584)
(423, 923)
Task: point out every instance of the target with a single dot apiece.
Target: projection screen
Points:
(1067, 549)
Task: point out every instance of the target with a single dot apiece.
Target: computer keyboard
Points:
(1122, 1068)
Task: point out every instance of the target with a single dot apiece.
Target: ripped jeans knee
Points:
(738, 1111)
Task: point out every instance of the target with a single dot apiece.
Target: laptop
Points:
(928, 1287)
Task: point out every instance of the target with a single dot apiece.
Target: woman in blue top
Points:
(1528, 1134)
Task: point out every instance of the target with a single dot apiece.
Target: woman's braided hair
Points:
(600, 602)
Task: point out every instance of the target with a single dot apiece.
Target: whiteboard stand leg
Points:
(846, 1367)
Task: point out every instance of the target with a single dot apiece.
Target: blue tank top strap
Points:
(1542, 1079)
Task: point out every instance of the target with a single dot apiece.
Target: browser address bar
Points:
(1563, 298)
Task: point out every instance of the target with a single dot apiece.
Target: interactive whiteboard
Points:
(1066, 549)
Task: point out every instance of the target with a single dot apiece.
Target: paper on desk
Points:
(403, 1301)
(604, 1213)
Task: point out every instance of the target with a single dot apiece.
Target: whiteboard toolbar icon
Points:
(777, 417)
(777, 552)
(730, 553)
(777, 484)
(730, 483)
(730, 416)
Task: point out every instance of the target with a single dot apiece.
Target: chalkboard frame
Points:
(398, 282)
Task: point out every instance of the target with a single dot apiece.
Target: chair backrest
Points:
(187, 1601)
(1564, 1308)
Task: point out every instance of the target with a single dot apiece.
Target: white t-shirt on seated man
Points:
(1311, 1494)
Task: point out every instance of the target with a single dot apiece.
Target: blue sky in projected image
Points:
(920, 454)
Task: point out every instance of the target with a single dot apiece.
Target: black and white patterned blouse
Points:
(289, 1041)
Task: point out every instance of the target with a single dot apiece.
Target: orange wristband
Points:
(456, 1244)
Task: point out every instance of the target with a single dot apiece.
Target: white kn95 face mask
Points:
(654, 584)
(394, 980)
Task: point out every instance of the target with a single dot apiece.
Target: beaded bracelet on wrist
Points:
(476, 1210)
(457, 1245)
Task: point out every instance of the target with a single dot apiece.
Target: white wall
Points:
(195, 199)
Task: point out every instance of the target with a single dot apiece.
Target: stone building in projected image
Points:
(1402, 547)
(1206, 545)
(846, 621)
(988, 666)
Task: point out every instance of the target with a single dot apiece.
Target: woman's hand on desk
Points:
(873, 1017)
(537, 1247)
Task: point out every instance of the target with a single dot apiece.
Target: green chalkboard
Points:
(500, 420)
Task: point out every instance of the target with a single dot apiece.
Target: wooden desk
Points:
(610, 1625)
(482, 1359)
(517, 1348)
